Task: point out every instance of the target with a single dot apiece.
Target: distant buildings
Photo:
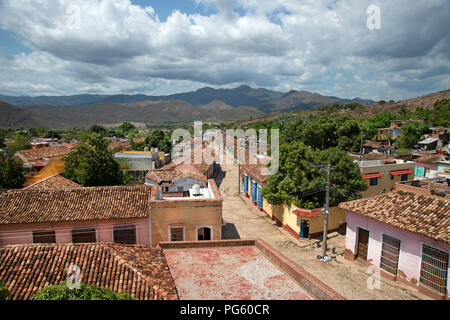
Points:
(405, 233)
(381, 175)
(123, 214)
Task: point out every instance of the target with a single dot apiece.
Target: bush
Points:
(62, 292)
(4, 292)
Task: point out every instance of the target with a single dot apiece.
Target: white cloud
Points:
(119, 47)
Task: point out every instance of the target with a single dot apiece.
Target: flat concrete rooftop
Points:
(241, 270)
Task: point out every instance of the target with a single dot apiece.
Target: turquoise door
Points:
(254, 191)
(245, 183)
(260, 198)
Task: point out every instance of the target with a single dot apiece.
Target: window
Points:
(44, 236)
(84, 235)
(390, 251)
(204, 233)
(165, 189)
(125, 234)
(404, 177)
(373, 181)
(176, 234)
(434, 268)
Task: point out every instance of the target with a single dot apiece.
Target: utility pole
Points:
(326, 213)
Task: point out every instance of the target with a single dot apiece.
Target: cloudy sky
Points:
(60, 47)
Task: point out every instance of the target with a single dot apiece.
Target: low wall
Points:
(313, 285)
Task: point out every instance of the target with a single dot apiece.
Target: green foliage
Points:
(349, 135)
(299, 173)
(52, 134)
(11, 173)
(21, 142)
(320, 134)
(411, 134)
(85, 292)
(440, 116)
(4, 292)
(94, 165)
(158, 139)
(126, 126)
(404, 152)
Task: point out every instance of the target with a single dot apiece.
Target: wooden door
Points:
(363, 244)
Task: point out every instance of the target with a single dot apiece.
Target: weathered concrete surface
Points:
(230, 274)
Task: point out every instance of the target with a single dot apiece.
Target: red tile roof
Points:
(54, 182)
(32, 155)
(172, 175)
(306, 213)
(399, 172)
(80, 204)
(425, 215)
(139, 270)
(372, 175)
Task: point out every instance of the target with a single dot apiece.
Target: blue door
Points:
(260, 198)
(304, 229)
(253, 190)
(245, 183)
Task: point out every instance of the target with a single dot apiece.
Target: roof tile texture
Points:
(425, 215)
(141, 271)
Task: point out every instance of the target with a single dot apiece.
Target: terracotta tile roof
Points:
(41, 153)
(54, 182)
(120, 145)
(80, 204)
(425, 215)
(254, 170)
(173, 175)
(139, 270)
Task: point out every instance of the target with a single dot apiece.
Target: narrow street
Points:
(346, 277)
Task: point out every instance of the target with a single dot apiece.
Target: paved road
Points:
(347, 278)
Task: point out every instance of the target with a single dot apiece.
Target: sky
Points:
(341, 48)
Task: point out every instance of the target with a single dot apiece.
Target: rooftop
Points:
(422, 214)
(172, 175)
(139, 270)
(31, 155)
(78, 204)
(385, 162)
(239, 270)
(54, 182)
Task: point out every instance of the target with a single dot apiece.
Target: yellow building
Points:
(52, 168)
(382, 175)
(305, 223)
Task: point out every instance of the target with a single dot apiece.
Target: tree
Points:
(52, 134)
(320, 134)
(411, 134)
(440, 116)
(4, 292)
(21, 142)
(126, 126)
(85, 292)
(99, 129)
(94, 165)
(349, 135)
(158, 139)
(11, 173)
(300, 180)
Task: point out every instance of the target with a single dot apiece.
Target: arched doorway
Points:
(204, 233)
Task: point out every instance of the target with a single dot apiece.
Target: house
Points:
(174, 181)
(49, 169)
(121, 214)
(381, 175)
(428, 144)
(31, 156)
(138, 270)
(139, 162)
(378, 147)
(426, 164)
(405, 233)
(53, 182)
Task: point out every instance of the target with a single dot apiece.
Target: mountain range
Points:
(206, 104)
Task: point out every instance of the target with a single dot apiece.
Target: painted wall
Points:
(187, 214)
(23, 233)
(385, 183)
(50, 169)
(410, 249)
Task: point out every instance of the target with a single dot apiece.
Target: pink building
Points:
(405, 234)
